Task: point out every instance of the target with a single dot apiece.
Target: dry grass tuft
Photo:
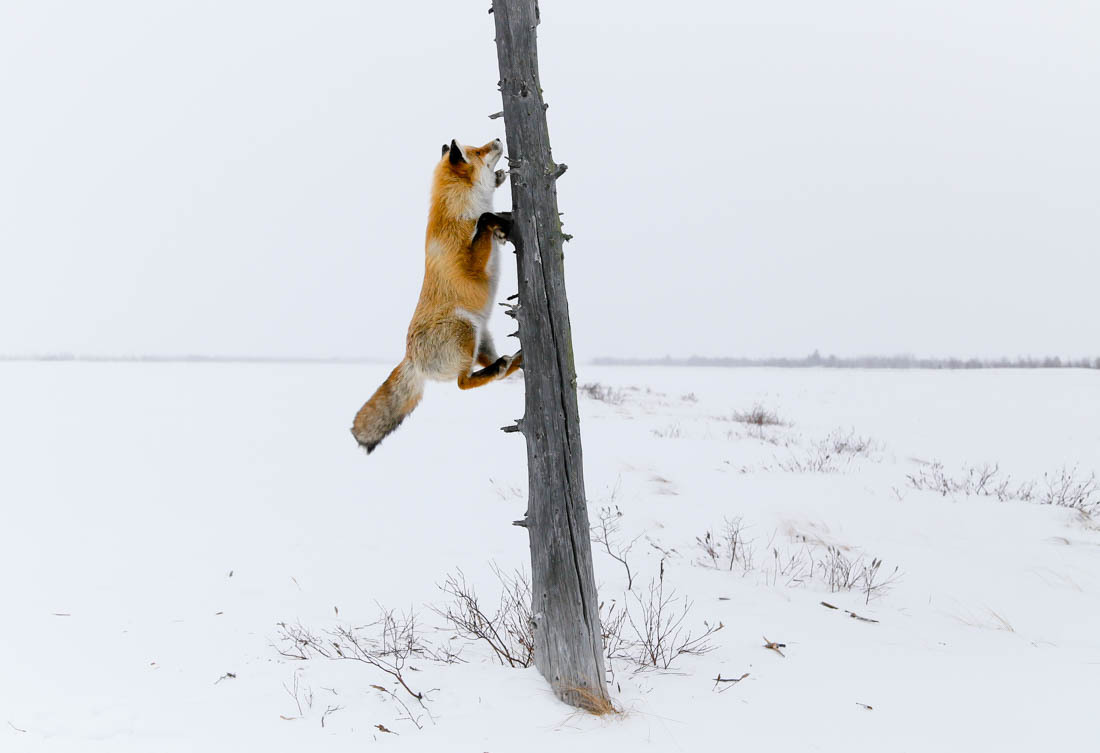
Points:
(989, 619)
(592, 702)
(759, 416)
(603, 393)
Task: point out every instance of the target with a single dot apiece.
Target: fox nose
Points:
(498, 143)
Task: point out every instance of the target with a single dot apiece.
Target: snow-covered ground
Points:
(159, 520)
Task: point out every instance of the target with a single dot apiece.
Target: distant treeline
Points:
(815, 359)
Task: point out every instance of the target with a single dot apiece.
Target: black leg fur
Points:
(490, 221)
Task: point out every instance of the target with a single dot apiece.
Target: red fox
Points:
(447, 336)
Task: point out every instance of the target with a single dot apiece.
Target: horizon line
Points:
(814, 359)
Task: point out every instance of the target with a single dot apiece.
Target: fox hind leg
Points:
(476, 348)
(486, 351)
(482, 376)
(498, 369)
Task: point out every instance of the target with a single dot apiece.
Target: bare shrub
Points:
(758, 416)
(1063, 488)
(843, 573)
(387, 644)
(832, 568)
(831, 454)
(331, 709)
(729, 548)
(1066, 489)
(874, 582)
(660, 636)
(650, 632)
(931, 477)
(606, 534)
(612, 622)
(669, 432)
(815, 459)
(602, 393)
(302, 695)
(712, 548)
(839, 572)
(827, 565)
(980, 481)
(508, 630)
(760, 435)
(850, 443)
(793, 566)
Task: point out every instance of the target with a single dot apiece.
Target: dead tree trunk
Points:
(568, 644)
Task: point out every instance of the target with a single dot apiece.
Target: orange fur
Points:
(448, 337)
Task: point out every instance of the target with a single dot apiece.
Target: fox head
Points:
(471, 169)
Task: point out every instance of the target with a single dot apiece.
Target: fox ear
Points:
(456, 153)
(445, 148)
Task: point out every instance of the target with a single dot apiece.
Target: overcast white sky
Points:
(858, 176)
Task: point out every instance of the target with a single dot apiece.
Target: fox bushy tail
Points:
(388, 406)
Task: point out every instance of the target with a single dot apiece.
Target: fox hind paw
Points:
(511, 363)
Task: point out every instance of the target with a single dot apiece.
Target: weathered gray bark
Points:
(568, 645)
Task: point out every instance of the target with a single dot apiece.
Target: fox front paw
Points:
(503, 232)
(500, 225)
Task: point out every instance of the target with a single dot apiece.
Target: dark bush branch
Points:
(606, 534)
(660, 636)
(386, 644)
(507, 631)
